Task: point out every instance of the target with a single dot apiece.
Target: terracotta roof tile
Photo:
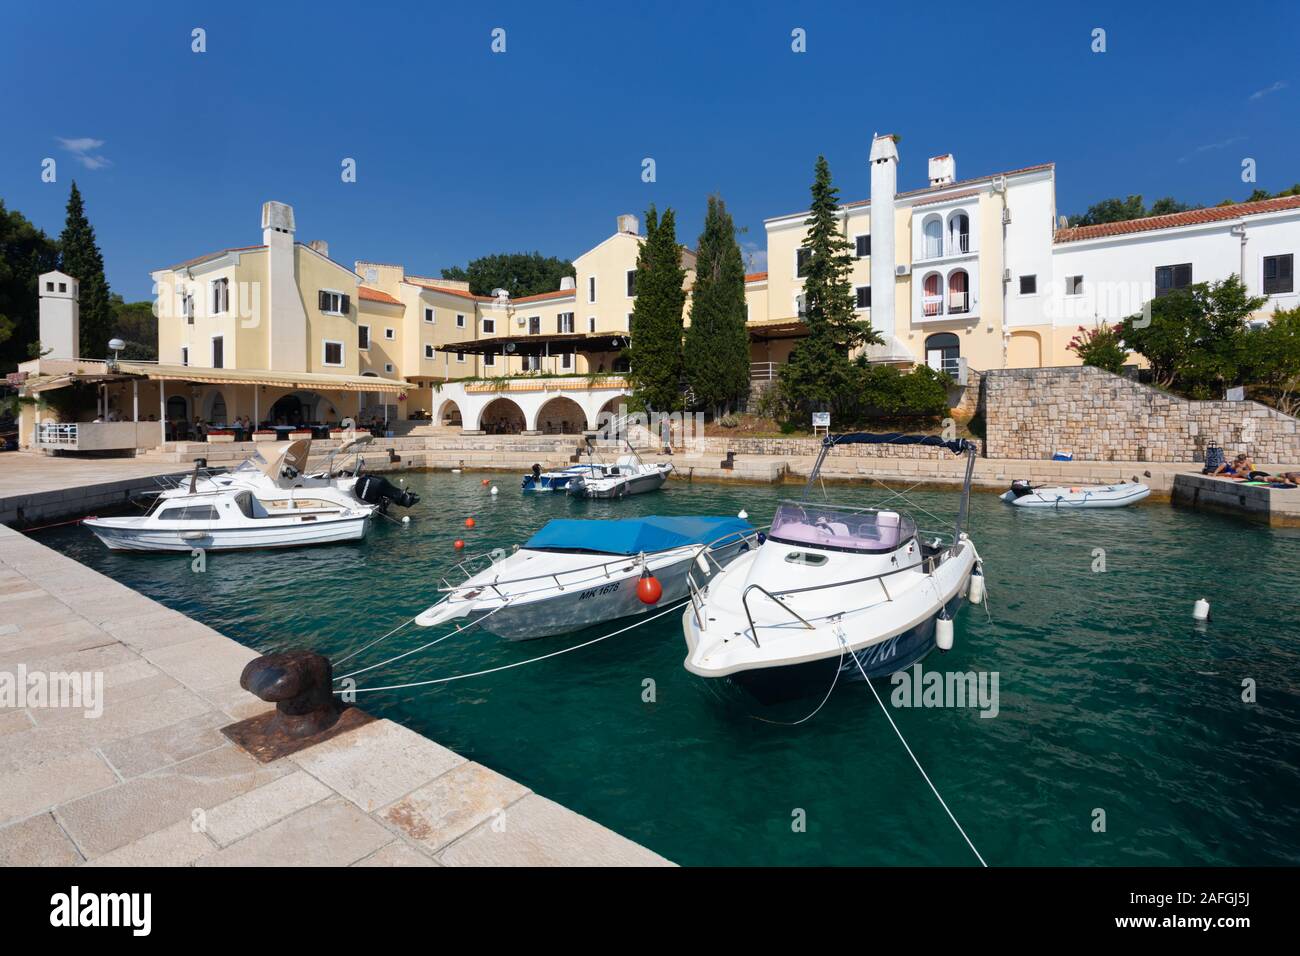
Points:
(1192, 217)
(756, 277)
(557, 294)
(374, 295)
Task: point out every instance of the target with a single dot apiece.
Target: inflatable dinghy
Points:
(1025, 495)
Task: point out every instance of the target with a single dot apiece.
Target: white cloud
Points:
(1274, 88)
(83, 149)
(1207, 147)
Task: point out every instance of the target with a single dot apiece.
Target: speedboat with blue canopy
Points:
(574, 573)
(834, 592)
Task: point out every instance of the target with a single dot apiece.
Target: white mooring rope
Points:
(839, 632)
(506, 667)
(398, 657)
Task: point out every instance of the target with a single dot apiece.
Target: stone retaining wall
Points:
(1032, 413)
(808, 448)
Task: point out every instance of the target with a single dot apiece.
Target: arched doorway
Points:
(561, 416)
(178, 409)
(287, 410)
(502, 417)
(1025, 350)
(449, 415)
(942, 350)
(216, 406)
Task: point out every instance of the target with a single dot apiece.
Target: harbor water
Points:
(1122, 732)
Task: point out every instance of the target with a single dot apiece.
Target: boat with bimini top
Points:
(833, 591)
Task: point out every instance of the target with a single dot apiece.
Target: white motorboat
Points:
(236, 518)
(278, 471)
(829, 582)
(538, 480)
(575, 573)
(627, 476)
(1025, 495)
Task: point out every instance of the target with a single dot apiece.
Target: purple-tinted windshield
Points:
(843, 530)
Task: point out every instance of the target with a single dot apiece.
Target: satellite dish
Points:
(510, 346)
(116, 345)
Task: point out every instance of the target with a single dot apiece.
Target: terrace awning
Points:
(237, 376)
(550, 344)
(783, 329)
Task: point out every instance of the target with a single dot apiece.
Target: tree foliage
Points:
(1196, 337)
(819, 374)
(25, 253)
(655, 351)
(79, 257)
(1101, 347)
(520, 273)
(1273, 359)
(716, 354)
(1132, 207)
(136, 325)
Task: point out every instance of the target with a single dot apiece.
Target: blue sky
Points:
(462, 152)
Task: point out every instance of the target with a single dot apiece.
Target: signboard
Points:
(821, 419)
(15, 379)
(1237, 394)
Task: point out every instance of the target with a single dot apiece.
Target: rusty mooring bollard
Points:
(301, 685)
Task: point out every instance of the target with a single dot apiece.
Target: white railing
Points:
(764, 371)
(953, 245)
(932, 305)
(56, 433)
(958, 302)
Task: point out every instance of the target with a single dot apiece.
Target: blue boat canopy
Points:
(958, 446)
(634, 535)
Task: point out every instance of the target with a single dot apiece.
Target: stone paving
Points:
(153, 782)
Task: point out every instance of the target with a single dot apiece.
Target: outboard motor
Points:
(375, 490)
(1020, 487)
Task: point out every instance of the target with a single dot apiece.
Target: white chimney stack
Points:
(884, 187)
(286, 319)
(60, 316)
(629, 224)
(943, 170)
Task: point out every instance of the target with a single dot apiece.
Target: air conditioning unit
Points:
(902, 270)
(521, 321)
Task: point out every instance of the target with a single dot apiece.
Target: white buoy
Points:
(743, 514)
(1201, 610)
(401, 481)
(943, 633)
(975, 592)
(406, 519)
(495, 490)
(455, 471)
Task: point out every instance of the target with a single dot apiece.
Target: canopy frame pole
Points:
(162, 409)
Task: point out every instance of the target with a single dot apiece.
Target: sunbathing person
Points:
(1239, 467)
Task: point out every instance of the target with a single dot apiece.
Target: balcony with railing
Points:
(942, 294)
(944, 247)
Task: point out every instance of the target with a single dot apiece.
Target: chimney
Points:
(884, 187)
(629, 224)
(286, 319)
(60, 316)
(943, 170)
(321, 246)
(567, 283)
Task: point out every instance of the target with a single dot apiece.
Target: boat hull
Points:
(632, 486)
(1117, 496)
(576, 607)
(118, 538)
(774, 685)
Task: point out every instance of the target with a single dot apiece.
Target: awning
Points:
(237, 376)
(554, 343)
(782, 329)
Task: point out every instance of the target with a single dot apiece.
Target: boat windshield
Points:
(841, 529)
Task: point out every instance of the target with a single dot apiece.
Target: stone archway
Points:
(501, 416)
(561, 416)
(449, 415)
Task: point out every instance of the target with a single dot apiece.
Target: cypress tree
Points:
(655, 352)
(80, 258)
(819, 374)
(716, 355)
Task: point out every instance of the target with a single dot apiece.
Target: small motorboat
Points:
(627, 476)
(829, 584)
(538, 480)
(1025, 495)
(235, 518)
(576, 573)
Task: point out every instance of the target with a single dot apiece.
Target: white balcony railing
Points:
(953, 245)
(958, 302)
(764, 371)
(932, 305)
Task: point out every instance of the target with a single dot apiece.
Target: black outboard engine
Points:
(1020, 487)
(537, 472)
(375, 490)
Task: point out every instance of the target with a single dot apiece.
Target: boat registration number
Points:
(598, 592)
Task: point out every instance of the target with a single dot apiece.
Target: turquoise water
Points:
(1111, 697)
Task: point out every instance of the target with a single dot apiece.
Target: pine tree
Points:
(716, 355)
(80, 258)
(655, 351)
(819, 374)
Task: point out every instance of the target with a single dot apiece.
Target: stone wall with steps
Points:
(1032, 413)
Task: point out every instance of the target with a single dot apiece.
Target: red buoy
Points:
(485, 481)
(469, 522)
(648, 589)
(458, 544)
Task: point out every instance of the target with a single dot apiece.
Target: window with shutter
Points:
(1279, 274)
(1170, 278)
(323, 301)
(863, 247)
(346, 305)
(801, 257)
